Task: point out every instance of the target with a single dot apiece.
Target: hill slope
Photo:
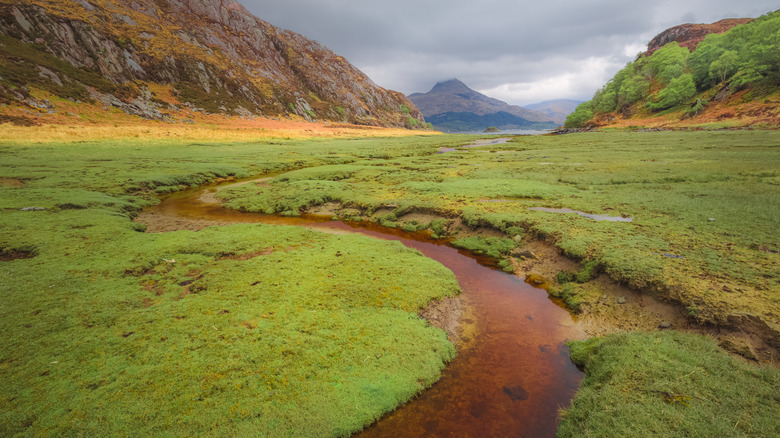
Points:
(453, 106)
(557, 109)
(727, 79)
(153, 58)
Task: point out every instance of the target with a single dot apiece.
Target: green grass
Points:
(237, 330)
(491, 246)
(705, 205)
(292, 332)
(669, 384)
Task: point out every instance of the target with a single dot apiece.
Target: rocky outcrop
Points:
(216, 56)
(690, 35)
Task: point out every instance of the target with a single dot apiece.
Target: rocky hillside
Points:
(728, 78)
(153, 58)
(453, 106)
(690, 35)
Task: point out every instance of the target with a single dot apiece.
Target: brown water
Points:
(510, 381)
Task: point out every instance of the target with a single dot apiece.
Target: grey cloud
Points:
(409, 45)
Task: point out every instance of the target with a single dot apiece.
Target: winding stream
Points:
(509, 379)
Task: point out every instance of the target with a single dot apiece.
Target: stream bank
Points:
(512, 373)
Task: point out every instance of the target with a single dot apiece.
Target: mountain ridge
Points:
(557, 109)
(453, 97)
(210, 55)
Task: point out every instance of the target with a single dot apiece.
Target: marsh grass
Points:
(496, 247)
(255, 328)
(705, 205)
(668, 384)
(229, 331)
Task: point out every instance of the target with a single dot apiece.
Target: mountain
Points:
(727, 78)
(556, 109)
(452, 106)
(157, 58)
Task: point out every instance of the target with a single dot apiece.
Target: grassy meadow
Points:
(705, 207)
(278, 331)
(111, 331)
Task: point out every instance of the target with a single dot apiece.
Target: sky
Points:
(517, 51)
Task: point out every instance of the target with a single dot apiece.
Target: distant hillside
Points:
(452, 106)
(556, 109)
(160, 58)
(728, 78)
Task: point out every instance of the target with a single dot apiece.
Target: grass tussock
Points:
(668, 384)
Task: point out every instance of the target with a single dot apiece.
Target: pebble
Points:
(665, 325)
(621, 300)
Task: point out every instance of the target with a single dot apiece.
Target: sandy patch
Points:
(11, 182)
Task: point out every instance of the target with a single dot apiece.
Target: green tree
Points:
(678, 91)
(725, 66)
(700, 60)
(667, 63)
(580, 116)
(634, 89)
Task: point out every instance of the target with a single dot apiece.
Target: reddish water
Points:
(513, 378)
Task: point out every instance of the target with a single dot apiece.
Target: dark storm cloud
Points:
(518, 51)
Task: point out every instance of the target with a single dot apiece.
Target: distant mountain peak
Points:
(453, 101)
(450, 85)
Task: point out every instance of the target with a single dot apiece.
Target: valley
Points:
(215, 226)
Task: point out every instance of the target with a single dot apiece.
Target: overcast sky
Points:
(518, 51)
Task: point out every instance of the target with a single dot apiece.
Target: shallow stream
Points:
(511, 375)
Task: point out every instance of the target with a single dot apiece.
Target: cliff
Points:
(208, 55)
(690, 35)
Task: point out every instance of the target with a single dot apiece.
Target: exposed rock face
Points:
(690, 35)
(215, 54)
(453, 103)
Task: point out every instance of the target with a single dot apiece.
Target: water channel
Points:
(509, 380)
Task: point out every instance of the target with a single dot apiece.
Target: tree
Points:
(667, 63)
(702, 58)
(580, 116)
(634, 89)
(725, 66)
(678, 91)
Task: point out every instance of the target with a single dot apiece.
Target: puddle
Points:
(477, 143)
